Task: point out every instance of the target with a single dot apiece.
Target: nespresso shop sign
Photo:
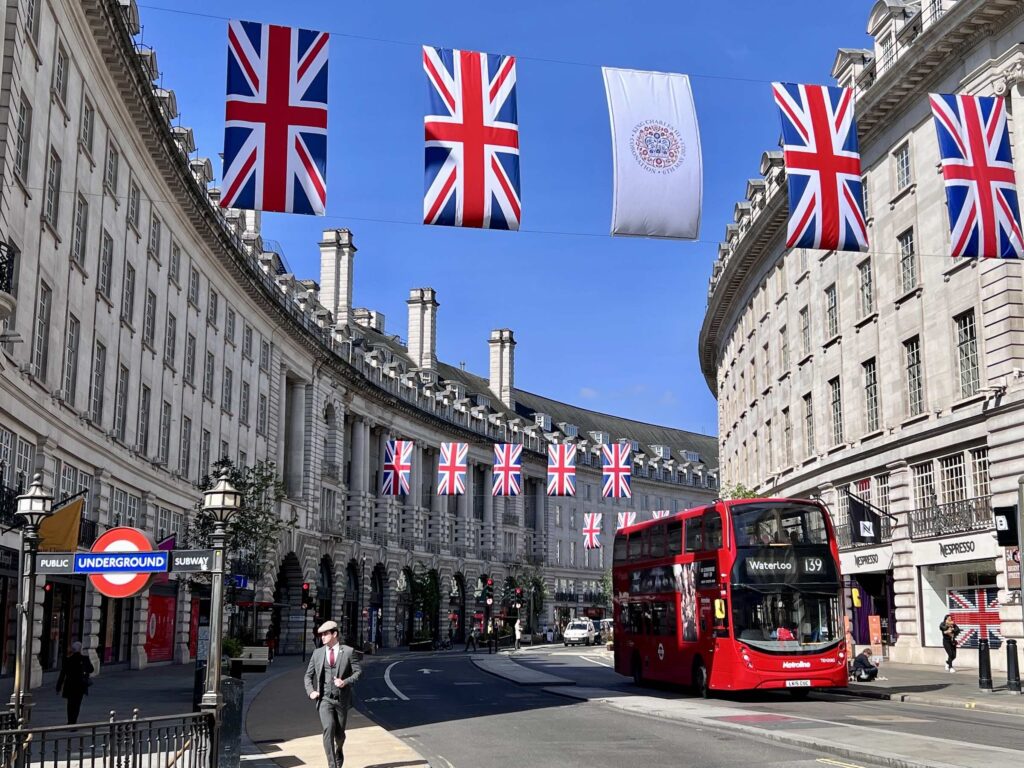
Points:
(954, 548)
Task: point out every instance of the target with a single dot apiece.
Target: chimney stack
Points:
(503, 358)
(337, 255)
(423, 327)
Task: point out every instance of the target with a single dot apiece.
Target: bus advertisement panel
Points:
(740, 595)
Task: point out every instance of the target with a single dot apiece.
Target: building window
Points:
(88, 123)
(118, 507)
(24, 131)
(979, 472)
(60, 74)
(836, 392)
(784, 348)
(51, 197)
(864, 196)
(81, 230)
(809, 448)
(952, 478)
(133, 205)
(121, 401)
(903, 174)
(867, 289)
(131, 517)
(71, 358)
(32, 19)
(204, 453)
(924, 485)
(113, 168)
(208, 377)
(165, 431)
(908, 262)
(174, 265)
(871, 395)
(103, 280)
(888, 52)
(264, 355)
(193, 286)
(171, 339)
(212, 307)
(882, 491)
(149, 319)
(190, 359)
(261, 415)
(227, 390)
(787, 436)
(915, 382)
(967, 354)
(145, 398)
(128, 299)
(41, 344)
(229, 325)
(99, 371)
(243, 405)
(832, 310)
(805, 331)
(155, 236)
(247, 342)
(225, 450)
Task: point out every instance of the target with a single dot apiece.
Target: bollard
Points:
(229, 740)
(1012, 670)
(984, 667)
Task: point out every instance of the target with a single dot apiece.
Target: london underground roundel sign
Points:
(122, 562)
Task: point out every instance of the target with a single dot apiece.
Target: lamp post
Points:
(33, 507)
(221, 503)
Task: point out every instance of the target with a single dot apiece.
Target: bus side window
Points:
(694, 537)
(712, 530)
(657, 541)
(620, 549)
(634, 547)
(674, 533)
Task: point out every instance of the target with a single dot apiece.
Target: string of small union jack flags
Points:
(275, 148)
(507, 476)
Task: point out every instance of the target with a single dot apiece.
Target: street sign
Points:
(241, 582)
(55, 562)
(192, 560)
(122, 562)
(1006, 525)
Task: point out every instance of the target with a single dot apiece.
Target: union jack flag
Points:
(472, 140)
(561, 470)
(451, 469)
(981, 190)
(275, 134)
(508, 458)
(624, 519)
(397, 468)
(819, 136)
(592, 530)
(660, 513)
(616, 467)
(976, 612)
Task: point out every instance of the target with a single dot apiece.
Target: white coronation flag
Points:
(656, 154)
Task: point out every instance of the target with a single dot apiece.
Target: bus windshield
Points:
(771, 524)
(785, 619)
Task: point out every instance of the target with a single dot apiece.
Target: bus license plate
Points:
(798, 683)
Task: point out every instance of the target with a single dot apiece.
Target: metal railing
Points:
(961, 516)
(183, 741)
(844, 536)
(510, 518)
(88, 530)
(8, 508)
(6, 269)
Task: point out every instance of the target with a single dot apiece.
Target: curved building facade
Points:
(894, 374)
(147, 333)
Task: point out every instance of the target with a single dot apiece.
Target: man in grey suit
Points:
(332, 670)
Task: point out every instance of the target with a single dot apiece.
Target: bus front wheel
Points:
(700, 679)
(638, 671)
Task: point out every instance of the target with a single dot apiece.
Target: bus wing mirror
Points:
(855, 596)
(719, 608)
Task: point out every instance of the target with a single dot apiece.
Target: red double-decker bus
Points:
(739, 595)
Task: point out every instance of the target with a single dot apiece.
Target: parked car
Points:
(579, 632)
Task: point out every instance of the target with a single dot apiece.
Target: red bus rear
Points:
(740, 595)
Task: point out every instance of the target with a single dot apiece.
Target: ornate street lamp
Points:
(33, 507)
(221, 503)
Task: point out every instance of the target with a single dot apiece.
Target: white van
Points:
(579, 632)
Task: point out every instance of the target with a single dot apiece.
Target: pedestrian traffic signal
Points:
(307, 600)
(489, 592)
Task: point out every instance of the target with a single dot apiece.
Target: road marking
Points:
(840, 763)
(445, 760)
(887, 719)
(428, 671)
(387, 679)
(465, 683)
(380, 698)
(595, 661)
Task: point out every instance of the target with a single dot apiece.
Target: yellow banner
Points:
(59, 532)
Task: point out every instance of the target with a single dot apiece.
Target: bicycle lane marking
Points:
(391, 685)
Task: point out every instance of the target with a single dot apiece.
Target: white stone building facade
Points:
(148, 333)
(898, 373)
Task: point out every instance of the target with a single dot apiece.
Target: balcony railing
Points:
(961, 516)
(565, 597)
(845, 538)
(509, 518)
(6, 269)
(8, 507)
(88, 530)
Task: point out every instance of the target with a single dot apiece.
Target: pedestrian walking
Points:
(519, 633)
(332, 671)
(73, 682)
(492, 637)
(472, 638)
(949, 630)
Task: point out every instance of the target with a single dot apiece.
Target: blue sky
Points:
(606, 323)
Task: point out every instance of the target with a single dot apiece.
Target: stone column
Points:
(487, 529)
(183, 628)
(91, 625)
(905, 582)
(137, 658)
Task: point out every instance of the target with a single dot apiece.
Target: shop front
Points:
(957, 575)
(8, 610)
(869, 582)
(161, 622)
(116, 620)
(63, 618)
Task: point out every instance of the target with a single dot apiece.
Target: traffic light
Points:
(519, 597)
(307, 599)
(489, 592)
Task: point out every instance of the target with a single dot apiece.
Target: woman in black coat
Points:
(949, 630)
(73, 681)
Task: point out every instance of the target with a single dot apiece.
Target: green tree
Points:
(739, 491)
(606, 586)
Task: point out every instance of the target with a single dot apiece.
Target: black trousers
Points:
(74, 708)
(333, 717)
(950, 645)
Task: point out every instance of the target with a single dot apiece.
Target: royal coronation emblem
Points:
(657, 147)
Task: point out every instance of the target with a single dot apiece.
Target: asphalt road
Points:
(594, 667)
(460, 717)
